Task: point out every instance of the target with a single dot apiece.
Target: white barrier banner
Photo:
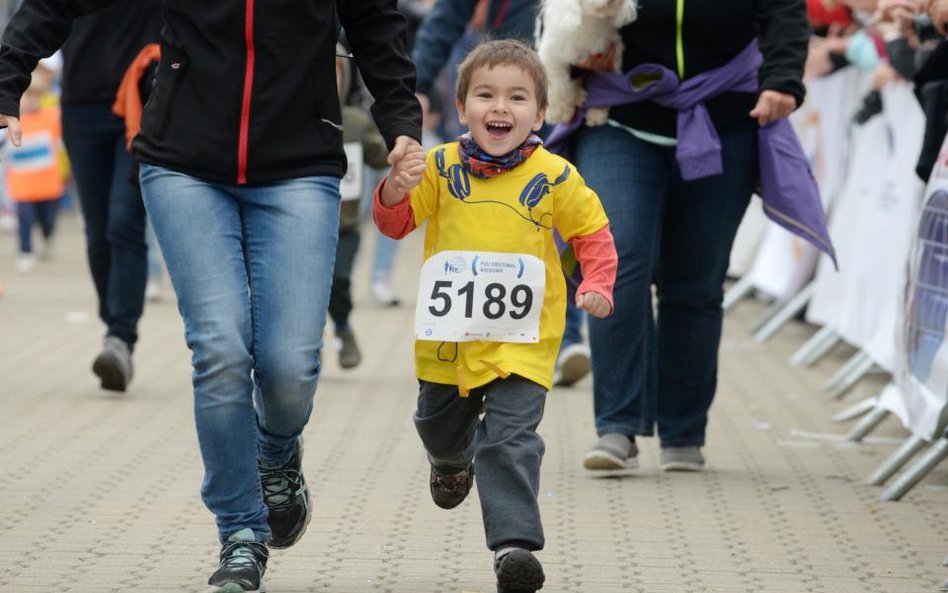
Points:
(920, 392)
(881, 228)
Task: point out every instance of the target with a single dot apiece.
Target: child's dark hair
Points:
(503, 52)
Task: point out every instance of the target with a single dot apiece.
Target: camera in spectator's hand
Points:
(925, 29)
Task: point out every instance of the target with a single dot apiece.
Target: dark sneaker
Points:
(518, 571)
(349, 354)
(243, 562)
(287, 499)
(448, 490)
(113, 365)
(612, 451)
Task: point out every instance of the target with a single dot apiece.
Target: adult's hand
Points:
(938, 11)
(403, 145)
(773, 105)
(12, 124)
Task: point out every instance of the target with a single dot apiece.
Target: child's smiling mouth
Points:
(498, 130)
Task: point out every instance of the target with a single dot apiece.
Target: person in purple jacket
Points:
(241, 157)
(674, 228)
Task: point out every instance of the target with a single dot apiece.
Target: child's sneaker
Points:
(25, 262)
(518, 571)
(243, 562)
(448, 490)
(287, 498)
(384, 295)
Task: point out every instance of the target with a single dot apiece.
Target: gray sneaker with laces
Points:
(682, 459)
(612, 451)
(113, 365)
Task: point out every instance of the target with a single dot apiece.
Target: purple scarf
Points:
(789, 192)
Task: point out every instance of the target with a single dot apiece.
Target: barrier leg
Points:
(814, 348)
(914, 474)
(738, 291)
(896, 460)
(785, 313)
(856, 410)
(856, 361)
(865, 426)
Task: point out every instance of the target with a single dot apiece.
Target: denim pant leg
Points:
(631, 177)
(46, 212)
(700, 223)
(340, 297)
(26, 218)
(251, 268)
(507, 462)
(113, 215)
(291, 229)
(573, 332)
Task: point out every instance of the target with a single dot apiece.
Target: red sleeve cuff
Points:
(394, 221)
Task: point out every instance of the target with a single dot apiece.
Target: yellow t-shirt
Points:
(514, 212)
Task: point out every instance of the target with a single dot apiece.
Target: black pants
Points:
(113, 212)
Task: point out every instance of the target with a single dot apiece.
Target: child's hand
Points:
(407, 172)
(594, 303)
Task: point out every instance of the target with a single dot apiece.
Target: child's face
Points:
(500, 108)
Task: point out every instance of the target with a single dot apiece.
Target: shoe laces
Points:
(451, 482)
(235, 555)
(280, 486)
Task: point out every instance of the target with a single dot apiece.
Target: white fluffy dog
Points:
(583, 33)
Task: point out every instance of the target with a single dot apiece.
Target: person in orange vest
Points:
(34, 175)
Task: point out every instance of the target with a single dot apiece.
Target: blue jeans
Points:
(573, 332)
(677, 235)
(251, 267)
(112, 212)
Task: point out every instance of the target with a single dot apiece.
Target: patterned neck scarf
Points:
(480, 164)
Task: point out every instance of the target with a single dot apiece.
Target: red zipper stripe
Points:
(243, 141)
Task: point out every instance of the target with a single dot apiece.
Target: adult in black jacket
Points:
(241, 151)
(676, 233)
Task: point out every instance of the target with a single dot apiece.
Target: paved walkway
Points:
(99, 492)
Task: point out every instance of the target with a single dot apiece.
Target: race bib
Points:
(350, 188)
(465, 296)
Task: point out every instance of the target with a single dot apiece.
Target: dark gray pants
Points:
(504, 445)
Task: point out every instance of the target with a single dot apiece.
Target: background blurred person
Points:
(34, 177)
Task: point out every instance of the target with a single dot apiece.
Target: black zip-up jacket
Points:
(101, 47)
(246, 89)
(710, 35)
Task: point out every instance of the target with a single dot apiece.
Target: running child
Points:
(491, 301)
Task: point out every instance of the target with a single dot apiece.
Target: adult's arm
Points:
(375, 31)
(36, 31)
(443, 26)
(784, 34)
